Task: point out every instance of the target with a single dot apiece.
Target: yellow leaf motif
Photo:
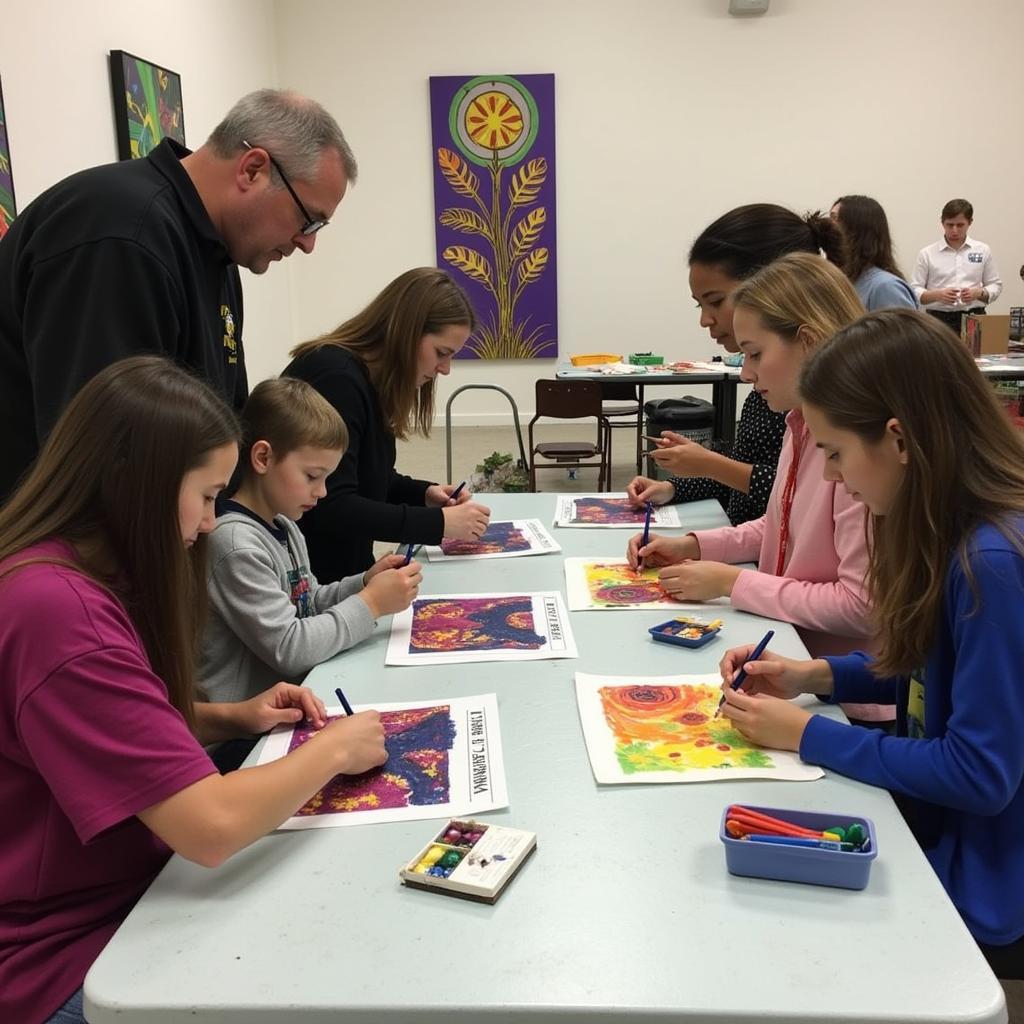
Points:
(457, 174)
(526, 232)
(532, 267)
(464, 220)
(471, 263)
(526, 182)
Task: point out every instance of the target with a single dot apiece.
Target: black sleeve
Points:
(407, 489)
(346, 511)
(759, 437)
(89, 307)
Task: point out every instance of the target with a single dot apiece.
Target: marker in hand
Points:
(408, 554)
(341, 700)
(741, 676)
(457, 492)
(647, 535)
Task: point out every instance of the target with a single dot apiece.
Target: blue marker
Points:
(647, 532)
(409, 554)
(741, 676)
(341, 700)
(457, 491)
(817, 844)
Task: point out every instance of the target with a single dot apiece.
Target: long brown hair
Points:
(386, 337)
(866, 235)
(965, 462)
(108, 481)
(800, 290)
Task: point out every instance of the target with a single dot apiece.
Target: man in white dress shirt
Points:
(957, 275)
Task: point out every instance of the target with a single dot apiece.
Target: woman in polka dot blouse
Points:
(727, 252)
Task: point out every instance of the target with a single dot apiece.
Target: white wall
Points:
(669, 112)
(56, 83)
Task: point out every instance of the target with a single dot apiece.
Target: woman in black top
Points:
(378, 371)
(727, 252)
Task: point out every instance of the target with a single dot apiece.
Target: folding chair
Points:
(621, 407)
(571, 400)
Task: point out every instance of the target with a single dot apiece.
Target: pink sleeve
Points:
(732, 544)
(838, 606)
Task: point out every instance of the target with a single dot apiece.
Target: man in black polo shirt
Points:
(143, 256)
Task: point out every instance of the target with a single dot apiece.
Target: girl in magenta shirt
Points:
(102, 769)
(811, 544)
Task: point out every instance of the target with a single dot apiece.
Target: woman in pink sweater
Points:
(811, 544)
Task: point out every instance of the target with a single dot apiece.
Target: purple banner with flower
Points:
(494, 207)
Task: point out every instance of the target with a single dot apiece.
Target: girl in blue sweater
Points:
(911, 428)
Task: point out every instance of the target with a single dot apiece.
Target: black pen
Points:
(344, 703)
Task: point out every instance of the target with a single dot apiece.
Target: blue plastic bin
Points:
(845, 869)
(658, 633)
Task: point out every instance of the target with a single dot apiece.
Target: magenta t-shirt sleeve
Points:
(106, 740)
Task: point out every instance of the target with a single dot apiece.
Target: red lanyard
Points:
(788, 494)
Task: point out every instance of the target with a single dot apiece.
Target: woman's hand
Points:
(439, 495)
(282, 704)
(466, 520)
(766, 721)
(661, 550)
(775, 675)
(643, 489)
(697, 580)
(680, 456)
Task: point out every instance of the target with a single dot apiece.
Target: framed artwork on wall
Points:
(7, 205)
(147, 104)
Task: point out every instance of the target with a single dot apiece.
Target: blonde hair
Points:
(289, 414)
(386, 336)
(965, 463)
(800, 291)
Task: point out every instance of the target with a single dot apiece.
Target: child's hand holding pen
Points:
(393, 589)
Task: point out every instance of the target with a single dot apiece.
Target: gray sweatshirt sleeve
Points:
(245, 591)
(327, 594)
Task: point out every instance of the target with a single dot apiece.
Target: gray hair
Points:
(295, 130)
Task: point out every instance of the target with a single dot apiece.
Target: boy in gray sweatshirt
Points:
(269, 619)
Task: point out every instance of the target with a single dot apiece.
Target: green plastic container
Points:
(645, 359)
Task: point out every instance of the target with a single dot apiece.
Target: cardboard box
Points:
(986, 335)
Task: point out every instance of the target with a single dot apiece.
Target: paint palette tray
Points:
(845, 869)
(686, 631)
(470, 859)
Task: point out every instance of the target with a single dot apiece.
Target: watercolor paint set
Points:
(470, 859)
(686, 631)
(799, 846)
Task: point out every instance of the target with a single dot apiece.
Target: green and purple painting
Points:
(147, 105)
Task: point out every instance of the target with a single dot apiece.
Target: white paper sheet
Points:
(464, 628)
(592, 512)
(445, 761)
(508, 538)
(641, 729)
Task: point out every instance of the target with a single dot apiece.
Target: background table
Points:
(626, 911)
(723, 388)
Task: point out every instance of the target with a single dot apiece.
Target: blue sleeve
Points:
(973, 759)
(889, 292)
(853, 682)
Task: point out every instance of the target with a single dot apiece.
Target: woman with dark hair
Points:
(726, 253)
(378, 370)
(868, 260)
(102, 772)
(940, 469)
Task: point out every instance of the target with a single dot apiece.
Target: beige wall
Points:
(669, 112)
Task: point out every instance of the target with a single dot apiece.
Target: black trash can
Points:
(692, 417)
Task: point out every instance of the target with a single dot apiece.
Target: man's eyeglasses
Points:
(311, 225)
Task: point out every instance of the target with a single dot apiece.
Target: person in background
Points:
(868, 258)
(727, 252)
(957, 275)
(102, 771)
(378, 370)
(142, 257)
(939, 468)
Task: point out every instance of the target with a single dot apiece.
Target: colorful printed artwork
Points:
(147, 105)
(444, 758)
(663, 729)
(8, 207)
(481, 627)
(597, 510)
(609, 583)
(497, 537)
(501, 540)
(498, 235)
(416, 772)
